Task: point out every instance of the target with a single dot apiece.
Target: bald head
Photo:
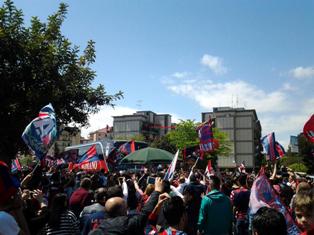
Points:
(115, 207)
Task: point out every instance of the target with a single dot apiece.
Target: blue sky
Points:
(185, 57)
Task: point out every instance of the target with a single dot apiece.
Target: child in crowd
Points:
(304, 211)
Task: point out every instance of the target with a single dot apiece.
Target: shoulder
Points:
(11, 225)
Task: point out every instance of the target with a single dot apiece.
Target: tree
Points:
(164, 143)
(185, 135)
(38, 65)
(306, 150)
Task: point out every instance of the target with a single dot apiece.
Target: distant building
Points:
(66, 139)
(244, 131)
(293, 145)
(101, 134)
(146, 123)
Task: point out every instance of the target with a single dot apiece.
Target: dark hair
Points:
(173, 210)
(268, 221)
(132, 199)
(100, 194)
(242, 179)
(86, 183)
(58, 206)
(215, 181)
(114, 191)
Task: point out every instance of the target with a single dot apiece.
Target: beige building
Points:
(244, 131)
(101, 134)
(66, 139)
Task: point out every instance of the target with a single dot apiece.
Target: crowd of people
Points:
(58, 201)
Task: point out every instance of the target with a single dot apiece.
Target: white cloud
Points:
(180, 75)
(209, 94)
(105, 117)
(302, 72)
(214, 63)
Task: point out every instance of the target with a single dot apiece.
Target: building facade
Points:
(293, 145)
(146, 123)
(101, 134)
(244, 131)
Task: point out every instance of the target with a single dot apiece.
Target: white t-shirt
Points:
(8, 224)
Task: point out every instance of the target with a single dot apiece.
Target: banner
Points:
(206, 137)
(262, 194)
(171, 169)
(308, 129)
(90, 161)
(41, 133)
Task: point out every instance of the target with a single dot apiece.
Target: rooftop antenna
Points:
(237, 102)
(232, 101)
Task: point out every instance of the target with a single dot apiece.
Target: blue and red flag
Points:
(205, 134)
(262, 194)
(172, 167)
(127, 148)
(90, 161)
(269, 144)
(308, 129)
(280, 151)
(15, 166)
(41, 133)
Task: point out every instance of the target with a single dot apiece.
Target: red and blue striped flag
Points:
(127, 148)
(269, 144)
(15, 166)
(91, 161)
(205, 134)
(262, 194)
(280, 151)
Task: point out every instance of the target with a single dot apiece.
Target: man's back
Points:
(215, 215)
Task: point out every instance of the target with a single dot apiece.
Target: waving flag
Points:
(241, 168)
(128, 147)
(41, 133)
(170, 172)
(269, 145)
(209, 169)
(308, 129)
(90, 161)
(206, 137)
(262, 194)
(280, 151)
(15, 166)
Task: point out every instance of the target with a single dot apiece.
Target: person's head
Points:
(303, 186)
(174, 212)
(86, 183)
(304, 209)
(182, 179)
(57, 207)
(149, 189)
(100, 195)
(214, 183)
(268, 221)
(242, 180)
(115, 207)
(114, 191)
